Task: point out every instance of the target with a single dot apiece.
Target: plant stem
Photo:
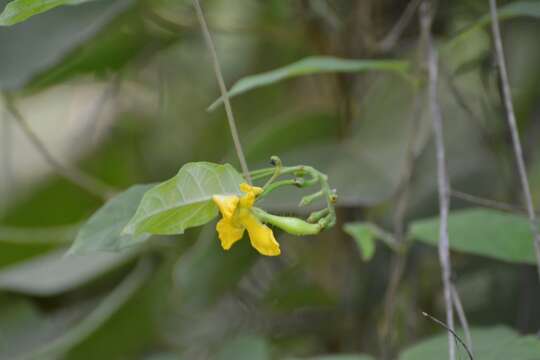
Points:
(393, 36)
(86, 182)
(223, 89)
(437, 321)
(426, 17)
(487, 203)
(462, 318)
(512, 124)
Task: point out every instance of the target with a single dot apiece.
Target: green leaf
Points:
(20, 10)
(117, 310)
(245, 348)
(65, 38)
(342, 357)
(53, 273)
(506, 12)
(512, 10)
(483, 232)
(308, 66)
(18, 244)
(199, 275)
(185, 200)
(496, 343)
(364, 235)
(376, 145)
(110, 331)
(103, 231)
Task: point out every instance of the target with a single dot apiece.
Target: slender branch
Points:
(76, 176)
(462, 318)
(426, 17)
(511, 118)
(6, 151)
(439, 322)
(493, 204)
(393, 36)
(223, 89)
(399, 260)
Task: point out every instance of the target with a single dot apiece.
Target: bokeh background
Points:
(119, 90)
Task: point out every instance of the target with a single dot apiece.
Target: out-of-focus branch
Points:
(426, 17)
(395, 33)
(76, 176)
(452, 332)
(512, 124)
(399, 260)
(462, 318)
(223, 89)
(488, 203)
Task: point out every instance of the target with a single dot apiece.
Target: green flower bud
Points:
(291, 225)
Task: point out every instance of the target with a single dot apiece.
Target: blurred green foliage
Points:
(317, 89)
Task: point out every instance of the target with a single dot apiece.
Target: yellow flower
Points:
(237, 216)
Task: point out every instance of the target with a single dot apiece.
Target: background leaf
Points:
(17, 244)
(102, 232)
(20, 10)
(312, 65)
(339, 357)
(54, 273)
(496, 343)
(245, 348)
(53, 36)
(185, 200)
(482, 232)
(364, 235)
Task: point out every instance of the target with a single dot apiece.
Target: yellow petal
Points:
(248, 199)
(245, 187)
(261, 236)
(227, 204)
(228, 233)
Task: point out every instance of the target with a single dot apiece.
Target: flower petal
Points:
(227, 204)
(245, 187)
(261, 236)
(228, 233)
(248, 199)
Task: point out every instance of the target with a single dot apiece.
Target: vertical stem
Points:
(223, 89)
(6, 151)
(511, 118)
(462, 318)
(399, 260)
(442, 175)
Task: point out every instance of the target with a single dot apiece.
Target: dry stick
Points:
(511, 118)
(462, 318)
(393, 36)
(223, 89)
(72, 174)
(442, 175)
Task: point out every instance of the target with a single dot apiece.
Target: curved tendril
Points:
(304, 176)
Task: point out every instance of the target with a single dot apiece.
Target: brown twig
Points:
(511, 118)
(76, 176)
(223, 89)
(426, 17)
